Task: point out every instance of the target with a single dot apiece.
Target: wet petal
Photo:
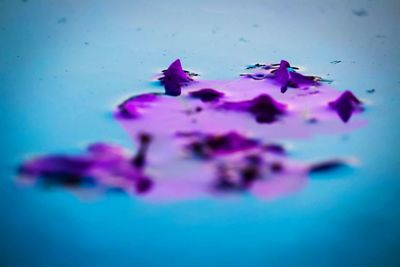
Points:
(264, 108)
(326, 166)
(207, 95)
(143, 185)
(175, 78)
(206, 146)
(132, 107)
(57, 166)
(345, 105)
(105, 167)
(286, 77)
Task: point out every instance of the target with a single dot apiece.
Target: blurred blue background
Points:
(64, 64)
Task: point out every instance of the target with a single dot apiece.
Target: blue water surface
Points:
(65, 64)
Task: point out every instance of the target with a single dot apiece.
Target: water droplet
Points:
(62, 20)
(362, 12)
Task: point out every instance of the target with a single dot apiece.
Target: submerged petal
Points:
(207, 95)
(328, 165)
(61, 169)
(103, 167)
(264, 108)
(143, 185)
(206, 146)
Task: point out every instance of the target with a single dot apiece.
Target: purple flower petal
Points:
(143, 185)
(57, 165)
(287, 77)
(139, 161)
(328, 165)
(345, 105)
(207, 95)
(282, 75)
(264, 108)
(298, 80)
(104, 166)
(274, 148)
(239, 175)
(131, 108)
(251, 171)
(175, 78)
(206, 146)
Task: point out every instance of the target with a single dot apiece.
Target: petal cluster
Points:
(103, 167)
(214, 137)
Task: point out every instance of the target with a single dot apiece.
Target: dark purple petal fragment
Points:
(326, 166)
(62, 170)
(56, 164)
(254, 159)
(175, 78)
(256, 76)
(225, 179)
(264, 108)
(257, 65)
(102, 149)
(103, 166)
(249, 173)
(143, 185)
(130, 108)
(276, 166)
(312, 120)
(139, 160)
(240, 175)
(207, 146)
(207, 95)
(345, 105)
(275, 148)
(229, 143)
(282, 75)
(297, 80)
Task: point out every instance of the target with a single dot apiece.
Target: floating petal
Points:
(345, 105)
(175, 78)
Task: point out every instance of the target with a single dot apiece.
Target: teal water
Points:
(65, 64)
